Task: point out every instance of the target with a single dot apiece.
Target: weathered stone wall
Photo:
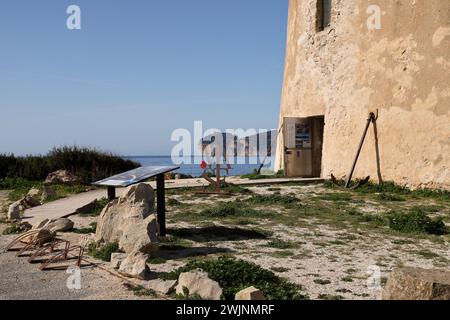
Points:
(347, 71)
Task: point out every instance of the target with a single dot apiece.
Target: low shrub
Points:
(227, 209)
(390, 197)
(102, 251)
(416, 221)
(235, 275)
(12, 229)
(86, 163)
(91, 229)
(256, 176)
(272, 199)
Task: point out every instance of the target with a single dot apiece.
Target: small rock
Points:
(90, 207)
(409, 283)
(14, 211)
(24, 227)
(43, 236)
(30, 201)
(198, 282)
(250, 293)
(60, 225)
(42, 224)
(161, 286)
(62, 177)
(135, 266)
(117, 259)
(47, 192)
(34, 192)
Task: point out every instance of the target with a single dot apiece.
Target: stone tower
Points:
(347, 58)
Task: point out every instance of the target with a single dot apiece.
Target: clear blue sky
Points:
(137, 70)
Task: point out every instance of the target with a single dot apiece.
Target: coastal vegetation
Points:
(86, 163)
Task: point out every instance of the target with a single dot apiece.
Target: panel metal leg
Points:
(111, 193)
(161, 204)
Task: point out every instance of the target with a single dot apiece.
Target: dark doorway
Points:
(323, 18)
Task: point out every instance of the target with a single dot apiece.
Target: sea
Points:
(191, 165)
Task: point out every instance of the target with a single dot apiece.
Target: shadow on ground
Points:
(174, 253)
(217, 233)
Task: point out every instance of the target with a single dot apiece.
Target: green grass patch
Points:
(156, 260)
(389, 187)
(235, 275)
(427, 254)
(140, 291)
(229, 188)
(172, 242)
(347, 279)
(322, 281)
(97, 209)
(256, 176)
(220, 233)
(330, 297)
(173, 202)
(281, 244)
(91, 229)
(272, 199)
(11, 229)
(102, 251)
(390, 197)
(416, 221)
(279, 269)
(335, 196)
(233, 209)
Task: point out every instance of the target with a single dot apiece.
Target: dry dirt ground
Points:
(330, 241)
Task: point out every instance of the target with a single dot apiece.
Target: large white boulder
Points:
(197, 282)
(129, 220)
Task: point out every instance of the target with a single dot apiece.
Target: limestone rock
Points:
(30, 201)
(250, 293)
(198, 282)
(161, 286)
(417, 284)
(135, 266)
(41, 224)
(117, 259)
(62, 177)
(47, 192)
(129, 221)
(34, 192)
(60, 225)
(14, 211)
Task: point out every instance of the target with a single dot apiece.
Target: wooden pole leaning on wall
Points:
(371, 118)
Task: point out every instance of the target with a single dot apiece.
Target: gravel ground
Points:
(22, 280)
(327, 260)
